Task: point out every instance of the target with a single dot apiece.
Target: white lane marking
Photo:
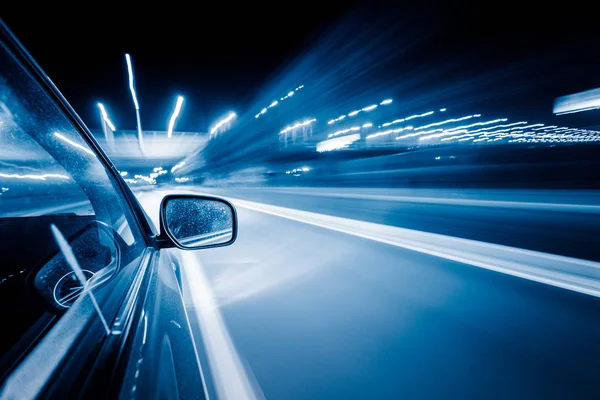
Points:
(525, 205)
(231, 380)
(564, 272)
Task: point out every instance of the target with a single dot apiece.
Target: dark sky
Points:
(220, 57)
(216, 57)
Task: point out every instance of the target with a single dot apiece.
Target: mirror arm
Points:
(162, 241)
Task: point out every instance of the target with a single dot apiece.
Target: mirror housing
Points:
(192, 222)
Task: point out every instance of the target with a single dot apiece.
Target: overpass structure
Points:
(159, 150)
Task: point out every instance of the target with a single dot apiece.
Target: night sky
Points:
(219, 58)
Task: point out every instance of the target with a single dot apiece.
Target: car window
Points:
(53, 186)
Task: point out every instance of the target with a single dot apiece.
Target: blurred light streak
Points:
(344, 131)
(174, 116)
(448, 121)
(297, 170)
(135, 102)
(298, 125)
(177, 166)
(337, 143)
(400, 120)
(460, 129)
(131, 81)
(37, 177)
(105, 117)
(275, 102)
(222, 122)
(356, 112)
(389, 131)
(72, 143)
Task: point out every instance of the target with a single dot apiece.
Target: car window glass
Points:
(52, 184)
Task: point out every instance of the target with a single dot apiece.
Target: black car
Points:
(92, 303)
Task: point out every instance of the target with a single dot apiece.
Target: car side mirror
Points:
(192, 222)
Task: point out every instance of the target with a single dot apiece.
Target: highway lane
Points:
(556, 231)
(314, 313)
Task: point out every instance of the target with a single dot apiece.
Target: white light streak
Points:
(222, 122)
(131, 81)
(298, 125)
(177, 166)
(174, 116)
(72, 143)
(105, 117)
(37, 177)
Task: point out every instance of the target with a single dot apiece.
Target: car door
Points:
(91, 307)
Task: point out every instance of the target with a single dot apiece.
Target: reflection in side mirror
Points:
(195, 222)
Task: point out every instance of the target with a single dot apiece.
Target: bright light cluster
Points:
(298, 125)
(276, 102)
(297, 170)
(156, 172)
(337, 143)
(356, 112)
(465, 129)
(497, 130)
(149, 180)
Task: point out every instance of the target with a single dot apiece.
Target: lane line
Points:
(231, 380)
(564, 272)
(525, 205)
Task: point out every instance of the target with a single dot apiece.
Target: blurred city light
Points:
(174, 116)
(298, 125)
(135, 102)
(356, 112)
(276, 102)
(337, 143)
(37, 177)
(222, 123)
(177, 166)
(105, 117)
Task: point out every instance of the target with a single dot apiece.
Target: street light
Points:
(174, 116)
(108, 134)
(135, 102)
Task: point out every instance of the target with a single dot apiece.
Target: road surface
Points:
(307, 306)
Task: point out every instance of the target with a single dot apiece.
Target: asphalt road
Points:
(315, 313)
(549, 229)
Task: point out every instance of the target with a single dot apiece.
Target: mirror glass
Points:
(197, 222)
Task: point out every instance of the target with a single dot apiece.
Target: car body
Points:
(91, 296)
